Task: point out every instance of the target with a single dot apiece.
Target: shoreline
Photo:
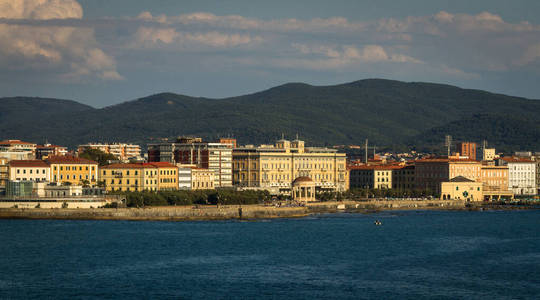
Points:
(247, 212)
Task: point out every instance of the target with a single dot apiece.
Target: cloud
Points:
(150, 36)
(71, 52)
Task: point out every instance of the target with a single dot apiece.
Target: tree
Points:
(97, 155)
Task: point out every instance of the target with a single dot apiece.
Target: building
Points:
(29, 170)
(228, 141)
(275, 167)
(19, 188)
(129, 177)
(495, 182)
(461, 188)
(136, 177)
(17, 146)
(489, 154)
(521, 174)
(193, 151)
(431, 172)
(202, 179)
(123, 152)
(46, 150)
(467, 149)
(372, 176)
(75, 170)
(167, 175)
(4, 174)
(403, 177)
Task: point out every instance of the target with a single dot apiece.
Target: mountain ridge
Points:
(388, 112)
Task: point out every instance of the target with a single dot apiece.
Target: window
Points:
(61, 168)
(18, 171)
(104, 173)
(136, 172)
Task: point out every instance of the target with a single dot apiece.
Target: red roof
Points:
(516, 159)
(36, 163)
(161, 164)
(445, 160)
(377, 167)
(15, 142)
(67, 159)
(128, 166)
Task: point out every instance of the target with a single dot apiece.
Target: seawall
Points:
(192, 213)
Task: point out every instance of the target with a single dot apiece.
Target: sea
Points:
(410, 255)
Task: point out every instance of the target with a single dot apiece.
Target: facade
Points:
(72, 169)
(19, 188)
(521, 175)
(140, 177)
(467, 149)
(44, 151)
(489, 154)
(129, 177)
(274, 168)
(202, 179)
(430, 173)
(29, 170)
(193, 151)
(17, 146)
(372, 177)
(167, 175)
(4, 174)
(123, 151)
(461, 188)
(403, 178)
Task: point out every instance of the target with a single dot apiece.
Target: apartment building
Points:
(372, 177)
(521, 174)
(194, 151)
(275, 167)
(29, 170)
(46, 150)
(72, 169)
(431, 172)
(129, 177)
(467, 149)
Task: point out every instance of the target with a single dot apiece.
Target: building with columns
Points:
(275, 167)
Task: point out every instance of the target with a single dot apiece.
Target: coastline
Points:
(245, 212)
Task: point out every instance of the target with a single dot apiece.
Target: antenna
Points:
(448, 143)
(366, 151)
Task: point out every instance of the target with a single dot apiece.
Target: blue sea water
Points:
(413, 255)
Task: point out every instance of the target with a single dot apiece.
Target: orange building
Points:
(467, 149)
(431, 172)
(72, 169)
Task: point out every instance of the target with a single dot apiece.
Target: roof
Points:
(128, 166)
(15, 142)
(67, 159)
(461, 179)
(37, 163)
(302, 179)
(161, 164)
(515, 159)
(377, 167)
(444, 160)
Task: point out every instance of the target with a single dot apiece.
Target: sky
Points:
(103, 52)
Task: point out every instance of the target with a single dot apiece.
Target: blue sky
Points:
(104, 52)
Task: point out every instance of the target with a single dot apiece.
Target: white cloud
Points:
(51, 48)
(150, 36)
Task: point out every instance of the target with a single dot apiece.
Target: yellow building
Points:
(202, 179)
(130, 177)
(275, 167)
(167, 175)
(72, 169)
(430, 173)
(372, 176)
(461, 188)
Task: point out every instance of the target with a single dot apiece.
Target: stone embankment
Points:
(189, 213)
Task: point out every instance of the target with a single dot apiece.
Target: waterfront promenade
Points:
(207, 212)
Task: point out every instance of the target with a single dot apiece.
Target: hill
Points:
(387, 112)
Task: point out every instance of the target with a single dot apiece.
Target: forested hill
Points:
(384, 111)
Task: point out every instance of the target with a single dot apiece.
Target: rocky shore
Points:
(247, 212)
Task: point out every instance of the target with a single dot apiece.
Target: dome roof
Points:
(302, 179)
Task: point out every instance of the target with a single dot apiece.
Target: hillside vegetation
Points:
(388, 113)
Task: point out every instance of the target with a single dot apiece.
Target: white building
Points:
(521, 175)
(29, 170)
